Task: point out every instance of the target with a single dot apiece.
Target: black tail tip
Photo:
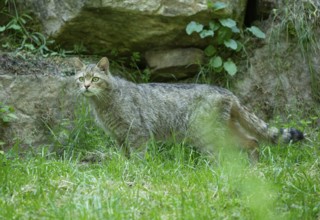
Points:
(296, 135)
(291, 134)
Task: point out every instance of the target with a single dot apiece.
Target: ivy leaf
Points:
(206, 33)
(224, 34)
(2, 28)
(235, 29)
(210, 51)
(194, 27)
(232, 44)
(227, 22)
(230, 67)
(219, 5)
(216, 62)
(214, 25)
(257, 32)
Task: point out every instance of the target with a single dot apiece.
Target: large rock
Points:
(282, 83)
(174, 64)
(122, 27)
(39, 103)
(40, 95)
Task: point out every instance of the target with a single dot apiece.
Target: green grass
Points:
(87, 180)
(297, 22)
(285, 185)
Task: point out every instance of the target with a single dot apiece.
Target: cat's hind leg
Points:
(247, 142)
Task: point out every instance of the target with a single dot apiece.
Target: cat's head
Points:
(92, 79)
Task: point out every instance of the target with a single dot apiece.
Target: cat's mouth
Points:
(87, 93)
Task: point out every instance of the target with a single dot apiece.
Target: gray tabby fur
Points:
(195, 113)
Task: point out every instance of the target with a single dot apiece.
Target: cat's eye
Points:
(95, 79)
(81, 79)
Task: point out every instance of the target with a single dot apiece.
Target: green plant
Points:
(20, 35)
(6, 115)
(298, 22)
(135, 73)
(224, 33)
(79, 48)
(142, 75)
(74, 136)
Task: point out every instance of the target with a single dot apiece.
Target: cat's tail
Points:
(285, 135)
(261, 130)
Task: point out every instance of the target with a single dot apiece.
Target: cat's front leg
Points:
(133, 144)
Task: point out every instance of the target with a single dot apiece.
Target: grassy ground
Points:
(83, 179)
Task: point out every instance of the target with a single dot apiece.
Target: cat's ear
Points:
(78, 65)
(103, 64)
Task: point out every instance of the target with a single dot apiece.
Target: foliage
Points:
(134, 71)
(75, 136)
(6, 115)
(143, 75)
(224, 33)
(298, 19)
(79, 48)
(20, 35)
(299, 22)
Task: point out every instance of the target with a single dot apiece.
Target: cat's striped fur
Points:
(133, 113)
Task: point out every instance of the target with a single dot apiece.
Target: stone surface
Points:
(38, 102)
(174, 64)
(121, 27)
(41, 94)
(281, 82)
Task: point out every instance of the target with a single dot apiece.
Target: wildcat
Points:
(196, 113)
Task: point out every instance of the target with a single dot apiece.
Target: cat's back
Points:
(184, 90)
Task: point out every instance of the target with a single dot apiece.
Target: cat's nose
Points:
(86, 86)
